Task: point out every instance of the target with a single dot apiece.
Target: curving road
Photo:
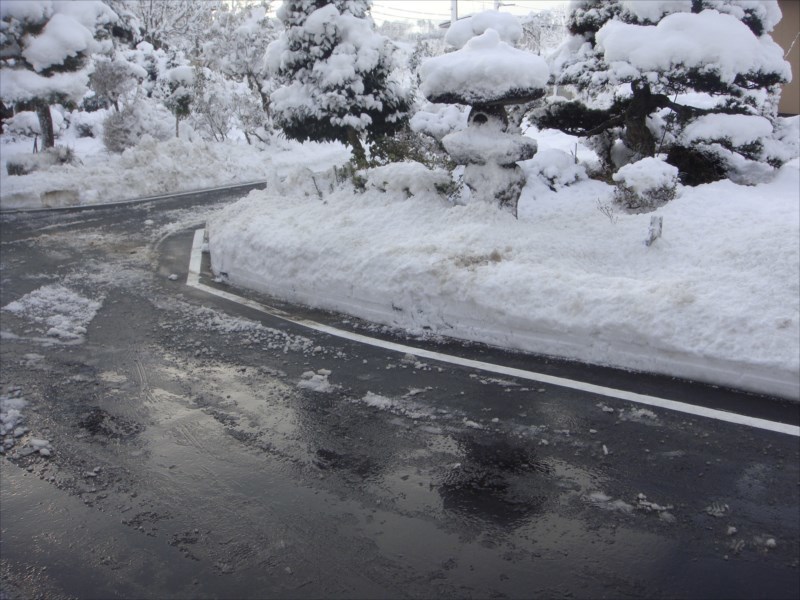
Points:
(202, 447)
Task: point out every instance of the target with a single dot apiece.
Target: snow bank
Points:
(155, 168)
(715, 299)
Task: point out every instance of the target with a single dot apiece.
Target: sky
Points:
(439, 10)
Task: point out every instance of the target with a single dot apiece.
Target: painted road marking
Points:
(193, 280)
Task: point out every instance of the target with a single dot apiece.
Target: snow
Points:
(484, 70)
(153, 168)
(737, 129)
(557, 168)
(11, 413)
(317, 382)
(505, 24)
(19, 85)
(482, 144)
(715, 299)
(437, 120)
(62, 37)
(709, 40)
(647, 174)
(57, 311)
(411, 178)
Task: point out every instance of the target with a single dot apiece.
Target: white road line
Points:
(193, 280)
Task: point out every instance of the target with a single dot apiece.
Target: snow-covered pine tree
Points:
(176, 87)
(698, 79)
(45, 53)
(336, 75)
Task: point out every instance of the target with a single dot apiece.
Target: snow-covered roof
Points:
(485, 71)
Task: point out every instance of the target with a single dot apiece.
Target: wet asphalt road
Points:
(202, 449)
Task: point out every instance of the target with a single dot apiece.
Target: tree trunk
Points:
(45, 125)
(354, 141)
(638, 136)
(177, 121)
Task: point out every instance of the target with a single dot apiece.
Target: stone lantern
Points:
(487, 74)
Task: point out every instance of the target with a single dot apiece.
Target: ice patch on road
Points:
(59, 312)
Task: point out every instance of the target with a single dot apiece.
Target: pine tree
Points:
(46, 53)
(336, 75)
(661, 51)
(176, 87)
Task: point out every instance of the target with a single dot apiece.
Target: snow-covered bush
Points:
(28, 163)
(335, 73)
(84, 124)
(24, 123)
(46, 50)
(124, 129)
(410, 178)
(639, 67)
(645, 185)
(556, 168)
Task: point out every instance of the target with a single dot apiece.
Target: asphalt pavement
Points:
(202, 447)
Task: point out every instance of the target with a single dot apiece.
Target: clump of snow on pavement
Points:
(317, 382)
(56, 311)
(714, 299)
(398, 406)
(11, 418)
(12, 428)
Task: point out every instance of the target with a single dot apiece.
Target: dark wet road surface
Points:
(201, 450)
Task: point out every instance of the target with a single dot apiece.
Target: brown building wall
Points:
(785, 34)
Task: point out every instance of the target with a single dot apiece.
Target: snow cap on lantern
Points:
(486, 70)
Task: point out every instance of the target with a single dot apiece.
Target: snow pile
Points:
(155, 168)
(486, 69)
(647, 175)
(410, 178)
(556, 167)
(506, 25)
(710, 41)
(62, 313)
(575, 285)
(317, 382)
(11, 417)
